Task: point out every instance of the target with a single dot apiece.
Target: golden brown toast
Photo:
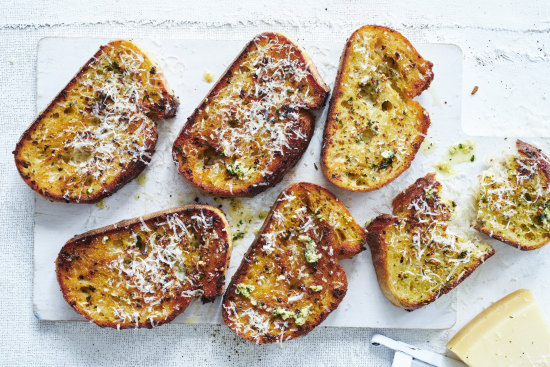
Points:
(100, 131)
(290, 279)
(374, 128)
(143, 272)
(255, 123)
(513, 201)
(416, 258)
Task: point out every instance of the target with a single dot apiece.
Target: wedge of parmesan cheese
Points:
(511, 332)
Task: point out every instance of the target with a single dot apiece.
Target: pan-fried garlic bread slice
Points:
(374, 128)
(416, 258)
(513, 201)
(290, 279)
(144, 272)
(255, 123)
(100, 131)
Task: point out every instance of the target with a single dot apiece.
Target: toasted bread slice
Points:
(290, 279)
(100, 131)
(255, 123)
(416, 258)
(513, 201)
(144, 272)
(374, 128)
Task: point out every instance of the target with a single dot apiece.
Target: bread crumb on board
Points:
(141, 179)
(208, 77)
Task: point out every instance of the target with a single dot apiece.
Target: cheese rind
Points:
(511, 332)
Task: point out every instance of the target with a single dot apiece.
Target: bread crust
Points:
(421, 115)
(403, 199)
(509, 241)
(211, 289)
(342, 251)
(378, 245)
(290, 157)
(166, 108)
(379, 252)
(530, 151)
(543, 163)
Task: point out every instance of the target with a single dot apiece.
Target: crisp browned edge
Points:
(345, 252)
(533, 152)
(289, 160)
(543, 163)
(422, 115)
(124, 224)
(376, 231)
(247, 261)
(507, 240)
(379, 251)
(414, 190)
(127, 174)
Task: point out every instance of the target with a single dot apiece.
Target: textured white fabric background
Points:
(506, 53)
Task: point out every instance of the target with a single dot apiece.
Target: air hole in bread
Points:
(368, 92)
(116, 246)
(208, 156)
(233, 122)
(346, 104)
(391, 62)
(366, 136)
(352, 176)
(140, 244)
(340, 235)
(87, 289)
(388, 70)
(78, 155)
(95, 121)
(89, 180)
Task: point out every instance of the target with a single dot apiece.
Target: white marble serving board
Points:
(184, 63)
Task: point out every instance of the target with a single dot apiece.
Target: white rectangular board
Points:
(184, 63)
